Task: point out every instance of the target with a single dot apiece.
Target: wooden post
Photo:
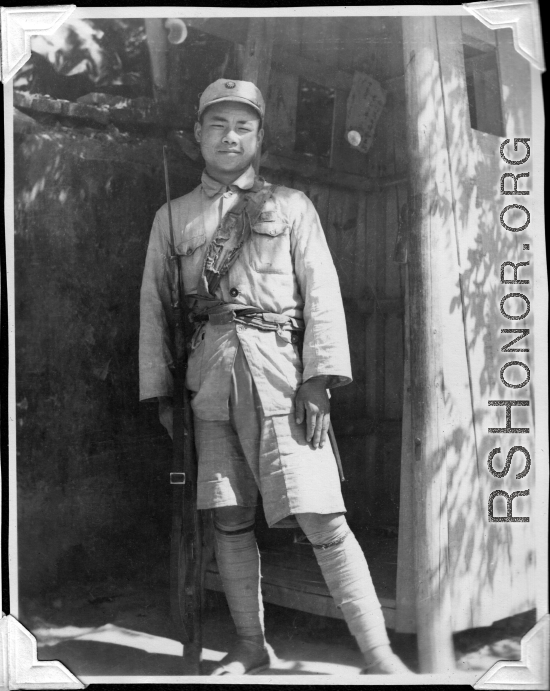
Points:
(157, 42)
(431, 232)
(257, 59)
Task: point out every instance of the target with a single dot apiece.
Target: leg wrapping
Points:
(238, 561)
(348, 578)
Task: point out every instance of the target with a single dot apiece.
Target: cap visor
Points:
(237, 99)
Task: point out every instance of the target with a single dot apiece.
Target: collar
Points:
(213, 187)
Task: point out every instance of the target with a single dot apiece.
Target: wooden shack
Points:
(411, 215)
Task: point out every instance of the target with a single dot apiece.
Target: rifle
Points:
(186, 541)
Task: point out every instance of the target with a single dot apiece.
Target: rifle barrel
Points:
(168, 197)
(186, 525)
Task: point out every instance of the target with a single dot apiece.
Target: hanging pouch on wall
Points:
(366, 101)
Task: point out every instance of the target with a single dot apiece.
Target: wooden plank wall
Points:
(361, 230)
(384, 328)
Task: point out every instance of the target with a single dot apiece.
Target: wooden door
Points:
(359, 198)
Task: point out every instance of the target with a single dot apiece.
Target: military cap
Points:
(232, 90)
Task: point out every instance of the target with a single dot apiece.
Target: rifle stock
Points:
(186, 541)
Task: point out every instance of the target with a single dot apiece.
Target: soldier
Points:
(270, 340)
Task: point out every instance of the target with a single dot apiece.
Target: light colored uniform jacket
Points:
(285, 268)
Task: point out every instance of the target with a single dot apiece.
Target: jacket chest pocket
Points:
(270, 246)
(191, 251)
(189, 246)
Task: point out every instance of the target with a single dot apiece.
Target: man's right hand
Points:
(166, 414)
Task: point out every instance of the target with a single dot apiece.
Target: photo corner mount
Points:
(522, 16)
(20, 667)
(18, 24)
(531, 671)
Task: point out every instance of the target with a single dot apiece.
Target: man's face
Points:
(229, 136)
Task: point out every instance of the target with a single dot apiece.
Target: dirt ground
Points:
(120, 628)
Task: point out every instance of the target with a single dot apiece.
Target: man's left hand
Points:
(313, 404)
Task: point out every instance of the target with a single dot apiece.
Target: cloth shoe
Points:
(245, 657)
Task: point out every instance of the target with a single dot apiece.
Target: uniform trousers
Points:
(251, 452)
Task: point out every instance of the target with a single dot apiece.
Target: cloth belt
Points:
(252, 316)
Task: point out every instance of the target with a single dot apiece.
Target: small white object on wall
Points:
(177, 30)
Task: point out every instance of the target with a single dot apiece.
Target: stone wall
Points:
(92, 462)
